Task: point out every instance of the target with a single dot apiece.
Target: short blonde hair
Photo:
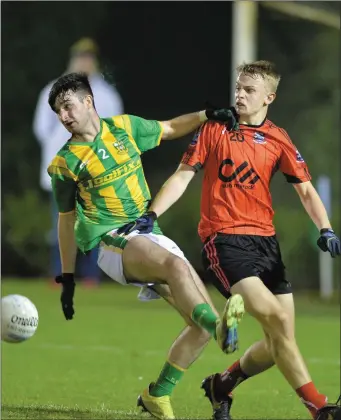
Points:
(263, 68)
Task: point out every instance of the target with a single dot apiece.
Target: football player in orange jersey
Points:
(241, 254)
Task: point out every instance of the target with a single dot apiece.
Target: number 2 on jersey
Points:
(104, 154)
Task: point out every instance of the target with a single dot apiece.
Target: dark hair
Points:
(74, 82)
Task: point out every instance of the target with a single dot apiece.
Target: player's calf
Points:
(279, 326)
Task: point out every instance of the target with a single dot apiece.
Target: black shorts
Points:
(228, 259)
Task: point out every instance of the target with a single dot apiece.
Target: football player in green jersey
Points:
(99, 186)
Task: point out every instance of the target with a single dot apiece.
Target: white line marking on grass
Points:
(149, 353)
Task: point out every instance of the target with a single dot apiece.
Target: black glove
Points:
(228, 116)
(68, 283)
(328, 241)
(143, 224)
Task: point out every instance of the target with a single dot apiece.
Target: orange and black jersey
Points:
(238, 167)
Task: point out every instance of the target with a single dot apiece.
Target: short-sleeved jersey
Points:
(104, 180)
(238, 167)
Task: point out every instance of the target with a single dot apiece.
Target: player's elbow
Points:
(305, 189)
(170, 131)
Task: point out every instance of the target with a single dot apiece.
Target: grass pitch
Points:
(94, 366)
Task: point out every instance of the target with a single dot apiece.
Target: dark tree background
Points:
(165, 59)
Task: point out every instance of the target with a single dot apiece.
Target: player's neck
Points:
(90, 131)
(254, 119)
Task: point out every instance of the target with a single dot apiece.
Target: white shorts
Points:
(110, 260)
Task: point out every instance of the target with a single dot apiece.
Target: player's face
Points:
(252, 95)
(73, 112)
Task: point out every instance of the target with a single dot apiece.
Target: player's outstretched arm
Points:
(185, 124)
(182, 125)
(170, 192)
(313, 205)
(172, 189)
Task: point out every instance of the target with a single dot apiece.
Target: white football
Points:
(19, 318)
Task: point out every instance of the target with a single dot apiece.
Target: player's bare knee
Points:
(279, 327)
(275, 321)
(175, 269)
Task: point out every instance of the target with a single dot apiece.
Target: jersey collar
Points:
(254, 126)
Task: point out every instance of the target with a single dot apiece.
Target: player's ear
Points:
(270, 97)
(88, 101)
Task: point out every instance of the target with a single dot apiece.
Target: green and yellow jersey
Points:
(104, 180)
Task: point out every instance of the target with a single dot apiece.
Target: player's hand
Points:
(143, 224)
(68, 284)
(328, 241)
(228, 116)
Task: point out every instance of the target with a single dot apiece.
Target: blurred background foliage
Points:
(166, 59)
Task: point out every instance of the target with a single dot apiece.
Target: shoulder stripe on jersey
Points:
(272, 124)
(123, 122)
(285, 134)
(59, 166)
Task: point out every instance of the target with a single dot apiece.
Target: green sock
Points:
(204, 316)
(169, 377)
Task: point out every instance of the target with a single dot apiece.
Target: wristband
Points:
(325, 230)
(68, 277)
(152, 214)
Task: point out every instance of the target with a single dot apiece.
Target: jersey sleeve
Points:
(146, 133)
(292, 164)
(198, 149)
(64, 185)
